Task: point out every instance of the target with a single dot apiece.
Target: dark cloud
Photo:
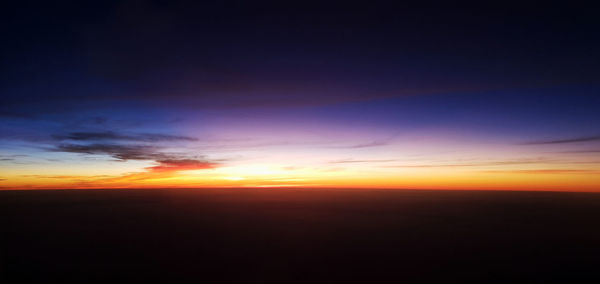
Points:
(166, 162)
(120, 152)
(564, 141)
(109, 135)
(11, 158)
(122, 147)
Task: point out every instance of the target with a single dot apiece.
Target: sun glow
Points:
(245, 171)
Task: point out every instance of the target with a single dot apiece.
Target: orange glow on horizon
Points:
(269, 176)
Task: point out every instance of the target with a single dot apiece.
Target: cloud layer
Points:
(141, 147)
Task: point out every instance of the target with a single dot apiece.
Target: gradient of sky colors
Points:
(150, 94)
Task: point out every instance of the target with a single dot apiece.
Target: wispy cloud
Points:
(124, 147)
(65, 176)
(163, 169)
(15, 159)
(349, 161)
(113, 136)
(544, 171)
(431, 166)
(564, 141)
(375, 143)
(477, 164)
(119, 152)
(166, 161)
(182, 165)
(585, 151)
(11, 157)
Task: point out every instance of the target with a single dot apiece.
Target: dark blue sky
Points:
(159, 75)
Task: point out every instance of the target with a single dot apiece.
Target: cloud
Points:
(374, 143)
(477, 164)
(181, 165)
(582, 151)
(17, 159)
(167, 161)
(120, 152)
(65, 176)
(167, 164)
(370, 144)
(164, 169)
(432, 166)
(109, 135)
(544, 171)
(349, 161)
(564, 141)
(130, 146)
(11, 157)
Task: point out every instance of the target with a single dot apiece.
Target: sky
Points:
(168, 94)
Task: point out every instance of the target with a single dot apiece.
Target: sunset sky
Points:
(136, 94)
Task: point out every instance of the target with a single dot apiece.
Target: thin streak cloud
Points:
(350, 161)
(478, 164)
(564, 141)
(109, 135)
(544, 171)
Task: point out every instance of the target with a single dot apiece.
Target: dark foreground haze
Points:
(298, 235)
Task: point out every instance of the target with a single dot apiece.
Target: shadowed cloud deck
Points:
(299, 235)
